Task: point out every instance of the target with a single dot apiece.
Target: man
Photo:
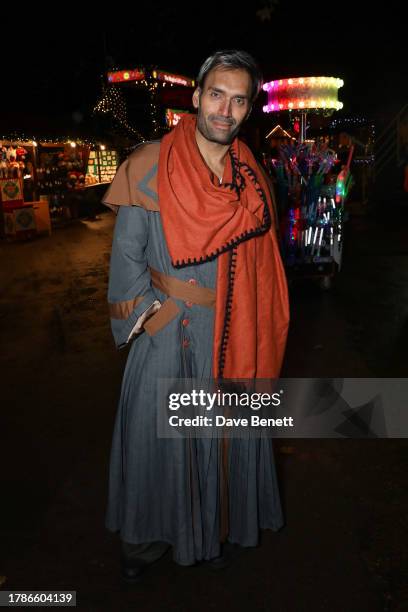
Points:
(198, 289)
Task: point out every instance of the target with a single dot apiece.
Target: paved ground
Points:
(344, 546)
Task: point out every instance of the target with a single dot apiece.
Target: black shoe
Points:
(136, 558)
(132, 569)
(227, 557)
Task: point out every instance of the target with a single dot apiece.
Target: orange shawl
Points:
(203, 220)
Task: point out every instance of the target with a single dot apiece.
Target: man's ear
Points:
(196, 97)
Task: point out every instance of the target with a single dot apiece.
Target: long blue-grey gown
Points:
(169, 489)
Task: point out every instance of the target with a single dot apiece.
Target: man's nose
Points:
(225, 109)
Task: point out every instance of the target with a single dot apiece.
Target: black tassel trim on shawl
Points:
(238, 184)
(228, 307)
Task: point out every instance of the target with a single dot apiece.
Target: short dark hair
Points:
(232, 59)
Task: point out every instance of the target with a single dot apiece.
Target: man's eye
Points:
(240, 101)
(214, 94)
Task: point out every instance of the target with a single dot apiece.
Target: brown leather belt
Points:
(183, 290)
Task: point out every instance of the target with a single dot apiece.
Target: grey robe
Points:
(169, 489)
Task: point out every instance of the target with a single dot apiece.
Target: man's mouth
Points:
(221, 125)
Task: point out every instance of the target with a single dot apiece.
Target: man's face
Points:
(223, 104)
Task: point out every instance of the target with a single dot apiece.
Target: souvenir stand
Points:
(311, 186)
(16, 173)
(44, 183)
(68, 173)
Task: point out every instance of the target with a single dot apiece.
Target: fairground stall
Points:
(20, 211)
(312, 184)
(44, 183)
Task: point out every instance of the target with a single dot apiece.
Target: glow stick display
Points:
(315, 211)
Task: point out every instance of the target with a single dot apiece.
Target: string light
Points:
(22, 139)
(364, 160)
(113, 103)
(354, 120)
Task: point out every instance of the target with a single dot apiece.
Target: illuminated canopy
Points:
(121, 76)
(138, 74)
(303, 93)
(174, 79)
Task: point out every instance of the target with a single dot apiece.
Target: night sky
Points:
(54, 71)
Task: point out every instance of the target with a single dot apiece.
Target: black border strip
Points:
(228, 307)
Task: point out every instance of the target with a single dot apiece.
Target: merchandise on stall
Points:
(13, 158)
(102, 166)
(20, 222)
(11, 190)
(59, 173)
(17, 164)
(18, 219)
(312, 191)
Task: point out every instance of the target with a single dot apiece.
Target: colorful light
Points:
(173, 116)
(174, 79)
(340, 187)
(121, 76)
(303, 93)
(280, 132)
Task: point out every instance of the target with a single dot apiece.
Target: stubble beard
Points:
(213, 135)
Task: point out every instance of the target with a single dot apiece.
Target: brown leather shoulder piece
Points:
(135, 183)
